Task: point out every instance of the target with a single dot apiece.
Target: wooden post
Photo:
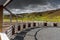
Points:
(17, 20)
(10, 19)
(1, 17)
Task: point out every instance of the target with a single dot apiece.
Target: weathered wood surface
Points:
(1, 17)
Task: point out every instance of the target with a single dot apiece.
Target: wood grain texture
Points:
(1, 17)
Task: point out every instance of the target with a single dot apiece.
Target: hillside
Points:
(53, 15)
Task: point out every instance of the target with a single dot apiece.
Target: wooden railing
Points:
(9, 32)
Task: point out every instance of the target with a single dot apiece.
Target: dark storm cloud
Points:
(23, 6)
(23, 3)
(2, 2)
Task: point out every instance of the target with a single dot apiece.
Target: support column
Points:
(1, 17)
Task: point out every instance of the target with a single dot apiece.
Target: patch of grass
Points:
(53, 19)
(49, 16)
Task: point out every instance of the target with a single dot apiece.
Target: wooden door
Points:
(55, 24)
(24, 26)
(29, 24)
(45, 24)
(19, 28)
(34, 24)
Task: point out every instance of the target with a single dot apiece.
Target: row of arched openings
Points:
(54, 24)
(29, 25)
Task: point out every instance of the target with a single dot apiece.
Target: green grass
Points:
(39, 16)
(53, 19)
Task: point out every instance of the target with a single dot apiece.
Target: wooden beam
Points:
(7, 3)
(1, 17)
(10, 15)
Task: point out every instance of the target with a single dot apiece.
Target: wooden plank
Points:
(1, 17)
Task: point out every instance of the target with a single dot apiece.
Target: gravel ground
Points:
(31, 34)
(50, 33)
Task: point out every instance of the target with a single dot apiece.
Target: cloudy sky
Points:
(27, 6)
